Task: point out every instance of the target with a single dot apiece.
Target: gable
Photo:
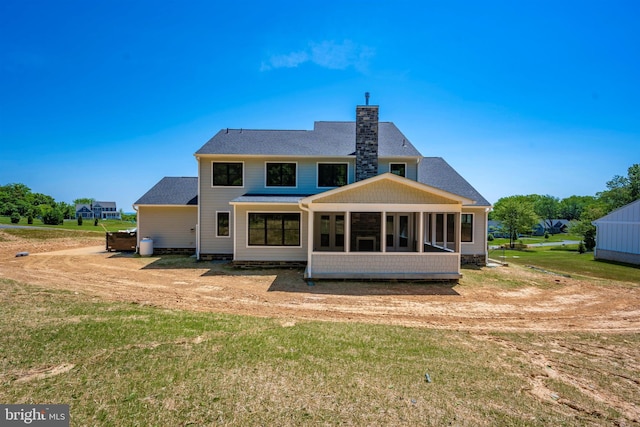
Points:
(387, 189)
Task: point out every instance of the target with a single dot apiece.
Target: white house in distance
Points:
(346, 199)
(100, 210)
(618, 235)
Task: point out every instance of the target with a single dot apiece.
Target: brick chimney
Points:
(366, 140)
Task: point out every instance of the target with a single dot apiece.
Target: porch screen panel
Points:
(366, 231)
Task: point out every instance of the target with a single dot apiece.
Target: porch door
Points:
(330, 232)
(398, 232)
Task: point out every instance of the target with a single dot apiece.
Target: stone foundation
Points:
(480, 260)
(216, 257)
(269, 264)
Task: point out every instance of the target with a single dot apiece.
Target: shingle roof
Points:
(326, 139)
(436, 172)
(105, 204)
(172, 191)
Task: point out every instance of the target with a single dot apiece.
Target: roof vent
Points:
(366, 98)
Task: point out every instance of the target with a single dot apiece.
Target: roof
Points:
(105, 204)
(326, 139)
(181, 191)
(436, 172)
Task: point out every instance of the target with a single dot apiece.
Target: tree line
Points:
(18, 201)
(520, 213)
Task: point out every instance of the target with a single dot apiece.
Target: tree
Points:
(571, 208)
(622, 190)
(584, 226)
(546, 207)
(516, 214)
(84, 201)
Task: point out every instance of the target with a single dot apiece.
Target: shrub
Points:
(52, 216)
(79, 220)
(581, 247)
(15, 217)
(95, 222)
(546, 234)
(30, 219)
(490, 237)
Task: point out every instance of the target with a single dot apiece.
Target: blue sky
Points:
(104, 98)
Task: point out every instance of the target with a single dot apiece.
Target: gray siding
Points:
(171, 227)
(479, 244)
(268, 253)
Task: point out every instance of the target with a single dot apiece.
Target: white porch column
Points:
(421, 232)
(347, 231)
(457, 229)
(383, 238)
(310, 221)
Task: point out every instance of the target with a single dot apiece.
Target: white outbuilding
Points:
(618, 235)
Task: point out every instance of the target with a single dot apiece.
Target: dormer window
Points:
(399, 169)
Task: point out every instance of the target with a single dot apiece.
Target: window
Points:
(466, 232)
(227, 174)
(329, 232)
(399, 169)
(222, 229)
(332, 174)
(274, 229)
(281, 175)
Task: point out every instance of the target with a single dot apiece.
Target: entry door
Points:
(398, 232)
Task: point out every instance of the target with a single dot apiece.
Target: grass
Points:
(538, 239)
(126, 364)
(567, 260)
(72, 224)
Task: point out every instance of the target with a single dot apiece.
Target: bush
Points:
(490, 237)
(30, 219)
(581, 247)
(15, 217)
(80, 220)
(52, 217)
(95, 222)
(546, 234)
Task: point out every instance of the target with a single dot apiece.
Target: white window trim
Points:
(277, 247)
(473, 228)
(329, 163)
(227, 186)
(218, 235)
(399, 163)
(265, 174)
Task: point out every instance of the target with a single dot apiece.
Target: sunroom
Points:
(385, 227)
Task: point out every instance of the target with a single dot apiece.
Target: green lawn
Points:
(72, 224)
(125, 364)
(567, 260)
(538, 239)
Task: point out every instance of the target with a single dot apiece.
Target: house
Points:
(83, 210)
(557, 226)
(346, 199)
(618, 235)
(101, 210)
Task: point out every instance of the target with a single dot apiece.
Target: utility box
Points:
(122, 241)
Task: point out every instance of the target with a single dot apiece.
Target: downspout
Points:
(309, 273)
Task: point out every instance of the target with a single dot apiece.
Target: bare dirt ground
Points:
(541, 302)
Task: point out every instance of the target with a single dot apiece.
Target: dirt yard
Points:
(537, 301)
